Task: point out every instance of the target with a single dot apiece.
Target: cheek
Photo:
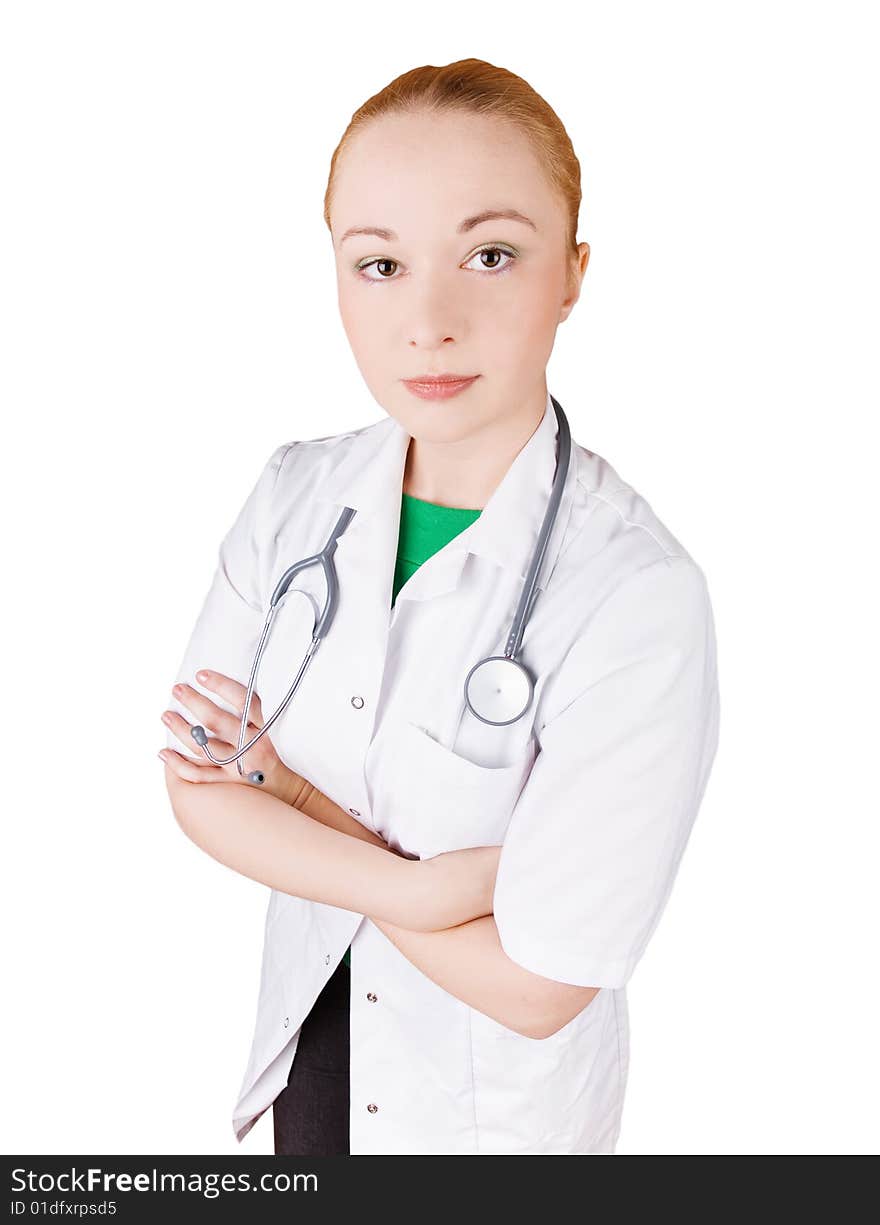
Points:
(362, 326)
(538, 306)
(349, 313)
(525, 330)
(527, 308)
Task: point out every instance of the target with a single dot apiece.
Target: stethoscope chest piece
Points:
(498, 690)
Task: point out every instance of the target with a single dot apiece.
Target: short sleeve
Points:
(228, 627)
(595, 840)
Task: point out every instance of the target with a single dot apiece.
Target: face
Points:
(436, 296)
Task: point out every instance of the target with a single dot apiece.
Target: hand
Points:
(279, 779)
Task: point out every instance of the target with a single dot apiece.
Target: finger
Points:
(179, 727)
(192, 771)
(232, 692)
(211, 716)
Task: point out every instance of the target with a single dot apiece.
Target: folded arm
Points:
(271, 841)
(467, 960)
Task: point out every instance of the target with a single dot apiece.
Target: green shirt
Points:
(425, 528)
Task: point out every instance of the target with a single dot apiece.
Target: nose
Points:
(435, 318)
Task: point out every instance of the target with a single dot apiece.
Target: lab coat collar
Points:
(370, 480)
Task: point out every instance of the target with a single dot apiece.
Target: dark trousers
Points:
(311, 1114)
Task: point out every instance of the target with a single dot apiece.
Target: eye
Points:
(380, 263)
(362, 268)
(494, 250)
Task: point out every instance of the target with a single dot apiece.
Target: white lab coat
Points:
(593, 793)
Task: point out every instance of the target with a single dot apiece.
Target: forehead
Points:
(444, 166)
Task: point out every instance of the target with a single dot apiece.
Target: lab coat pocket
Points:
(447, 802)
(545, 1095)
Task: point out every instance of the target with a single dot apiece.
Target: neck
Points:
(467, 472)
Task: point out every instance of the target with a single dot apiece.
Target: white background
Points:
(169, 317)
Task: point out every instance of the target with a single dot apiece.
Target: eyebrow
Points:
(489, 214)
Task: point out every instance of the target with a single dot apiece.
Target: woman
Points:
(476, 955)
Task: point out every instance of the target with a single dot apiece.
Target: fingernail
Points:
(161, 755)
(203, 675)
(166, 718)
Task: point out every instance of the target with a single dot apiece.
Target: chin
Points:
(432, 427)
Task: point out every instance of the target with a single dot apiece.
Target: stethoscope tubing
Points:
(325, 559)
(524, 607)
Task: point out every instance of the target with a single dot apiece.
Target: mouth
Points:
(440, 378)
(439, 386)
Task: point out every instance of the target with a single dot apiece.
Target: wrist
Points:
(294, 790)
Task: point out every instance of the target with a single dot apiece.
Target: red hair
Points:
(476, 87)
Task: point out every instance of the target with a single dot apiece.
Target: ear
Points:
(576, 276)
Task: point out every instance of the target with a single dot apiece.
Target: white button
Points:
(354, 812)
(372, 998)
(372, 1108)
(286, 1022)
(357, 702)
(327, 960)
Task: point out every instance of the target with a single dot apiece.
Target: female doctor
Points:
(456, 905)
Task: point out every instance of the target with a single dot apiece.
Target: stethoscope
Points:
(498, 690)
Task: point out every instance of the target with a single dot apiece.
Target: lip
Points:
(439, 386)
